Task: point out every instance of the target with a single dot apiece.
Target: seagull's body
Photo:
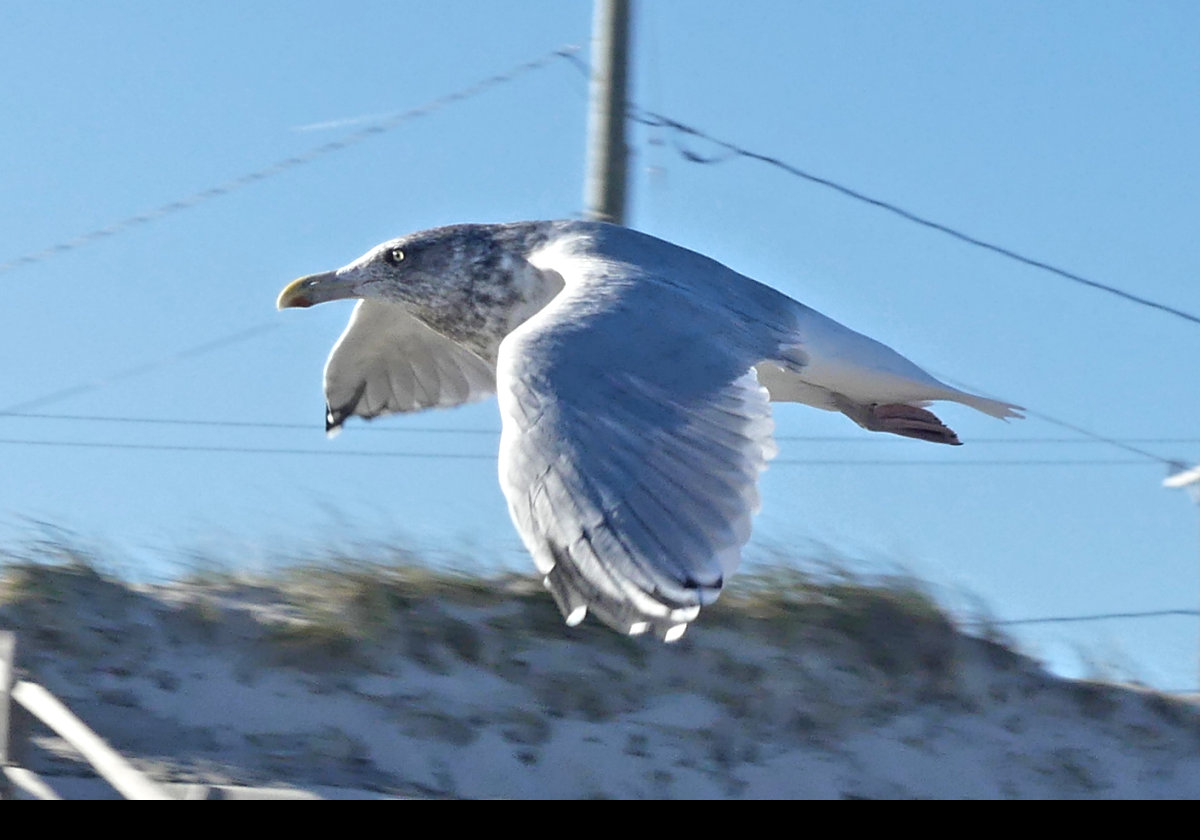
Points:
(634, 379)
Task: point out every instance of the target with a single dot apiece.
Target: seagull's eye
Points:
(395, 256)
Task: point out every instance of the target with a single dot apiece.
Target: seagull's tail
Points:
(996, 408)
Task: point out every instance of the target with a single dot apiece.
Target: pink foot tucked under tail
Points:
(899, 419)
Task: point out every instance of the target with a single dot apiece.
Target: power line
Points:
(635, 113)
(1081, 619)
(655, 120)
(20, 410)
(376, 128)
(17, 414)
(1126, 445)
(236, 424)
(145, 367)
(640, 115)
(1099, 438)
(243, 450)
(1070, 619)
(470, 456)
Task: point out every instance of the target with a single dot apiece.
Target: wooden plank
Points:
(8, 667)
(259, 793)
(28, 785)
(127, 779)
(189, 792)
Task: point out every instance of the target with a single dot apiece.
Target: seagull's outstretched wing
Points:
(387, 361)
(634, 434)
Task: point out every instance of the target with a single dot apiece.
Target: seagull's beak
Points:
(317, 288)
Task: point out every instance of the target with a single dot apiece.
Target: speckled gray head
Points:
(466, 282)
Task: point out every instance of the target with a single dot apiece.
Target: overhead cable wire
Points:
(145, 367)
(1126, 445)
(333, 452)
(1071, 619)
(382, 125)
(729, 151)
(637, 114)
(1099, 438)
(1092, 438)
(656, 120)
(376, 128)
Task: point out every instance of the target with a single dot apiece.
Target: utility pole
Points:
(607, 155)
(1186, 479)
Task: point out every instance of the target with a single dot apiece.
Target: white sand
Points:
(230, 685)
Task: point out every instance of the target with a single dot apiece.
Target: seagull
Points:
(634, 379)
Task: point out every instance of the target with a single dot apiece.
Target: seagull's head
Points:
(412, 269)
(472, 284)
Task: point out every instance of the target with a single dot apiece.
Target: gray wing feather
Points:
(631, 450)
(387, 361)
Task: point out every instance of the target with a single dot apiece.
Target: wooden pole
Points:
(604, 192)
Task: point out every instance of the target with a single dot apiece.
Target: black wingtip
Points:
(572, 591)
(333, 422)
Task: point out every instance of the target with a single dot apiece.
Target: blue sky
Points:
(1065, 131)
